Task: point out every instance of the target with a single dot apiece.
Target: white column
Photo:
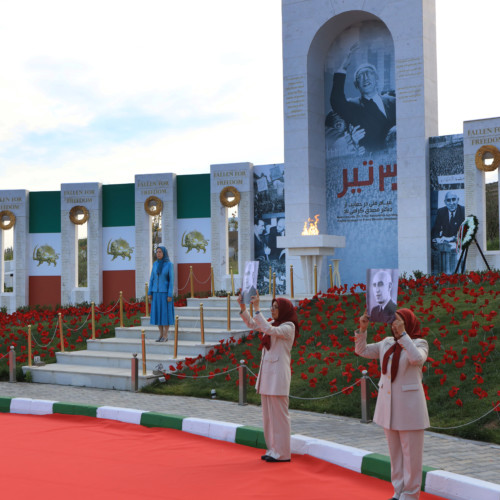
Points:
(88, 195)
(163, 187)
(17, 202)
(239, 176)
(478, 133)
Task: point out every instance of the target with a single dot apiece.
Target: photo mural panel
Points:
(446, 169)
(360, 138)
(269, 223)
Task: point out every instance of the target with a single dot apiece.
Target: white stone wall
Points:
(309, 28)
(88, 195)
(164, 187)
(478, 133)
(240, 176)
(17, 202)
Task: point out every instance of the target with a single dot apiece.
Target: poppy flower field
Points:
(459, 316)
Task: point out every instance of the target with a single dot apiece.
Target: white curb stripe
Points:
(458, 487)
(338, 454)
(121, 414)
(28, 406)
(214, 429)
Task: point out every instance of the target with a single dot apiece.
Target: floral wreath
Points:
(467, 232)
(479, 158)
(76, 212)
(7, 219)
(230, 192)
(153, 205)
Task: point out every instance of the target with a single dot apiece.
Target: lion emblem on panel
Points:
(119, 248)
(194, 240)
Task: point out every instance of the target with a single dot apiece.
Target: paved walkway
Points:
(470, 458)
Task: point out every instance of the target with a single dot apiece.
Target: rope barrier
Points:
(199, 376)
(185, 286)
(44, 346)
(329, 395)
(319, 397)
(202, 282)
(456, 426)
(80, 327)
(468, 423)
(109, 310)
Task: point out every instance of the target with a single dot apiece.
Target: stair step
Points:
(87, 376)
(184, 347)
(193, 334)
(115, 359)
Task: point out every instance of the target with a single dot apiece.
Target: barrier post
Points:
(291, 280)
(331, 276)
(202, 324)
(134, 378)
(29, 345)
(61, 332)
(336, 272)
(232, 282)
(143, 342)
(92, 309)
(364, 399)
(212, 282)
(315, 279)
(228, 312)
(191, 281)
(270, 278)
(121, 309)
(274, 286)
(176, 336)
(242, 372)
(146, 292)
(12, 364)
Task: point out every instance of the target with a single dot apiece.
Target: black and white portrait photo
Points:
(382, 294)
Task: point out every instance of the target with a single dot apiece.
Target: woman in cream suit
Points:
(401, 407)
(273, 381)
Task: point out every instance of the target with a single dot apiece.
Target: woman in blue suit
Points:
(161, 287)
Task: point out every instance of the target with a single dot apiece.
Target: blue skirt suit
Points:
(161, 286)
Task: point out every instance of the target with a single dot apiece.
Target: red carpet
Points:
(76, 457)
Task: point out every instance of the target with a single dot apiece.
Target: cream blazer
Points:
(274, 373)
(401, 405)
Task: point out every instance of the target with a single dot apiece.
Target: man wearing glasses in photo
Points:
(448, 220)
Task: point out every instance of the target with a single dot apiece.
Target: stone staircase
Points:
(106, 363)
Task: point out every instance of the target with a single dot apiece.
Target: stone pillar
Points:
(150, 188)
(88, 196)
(240, 177)
(478, 133)
(309, 28)
(16, 202)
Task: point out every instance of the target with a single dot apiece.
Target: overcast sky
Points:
(98, 91)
